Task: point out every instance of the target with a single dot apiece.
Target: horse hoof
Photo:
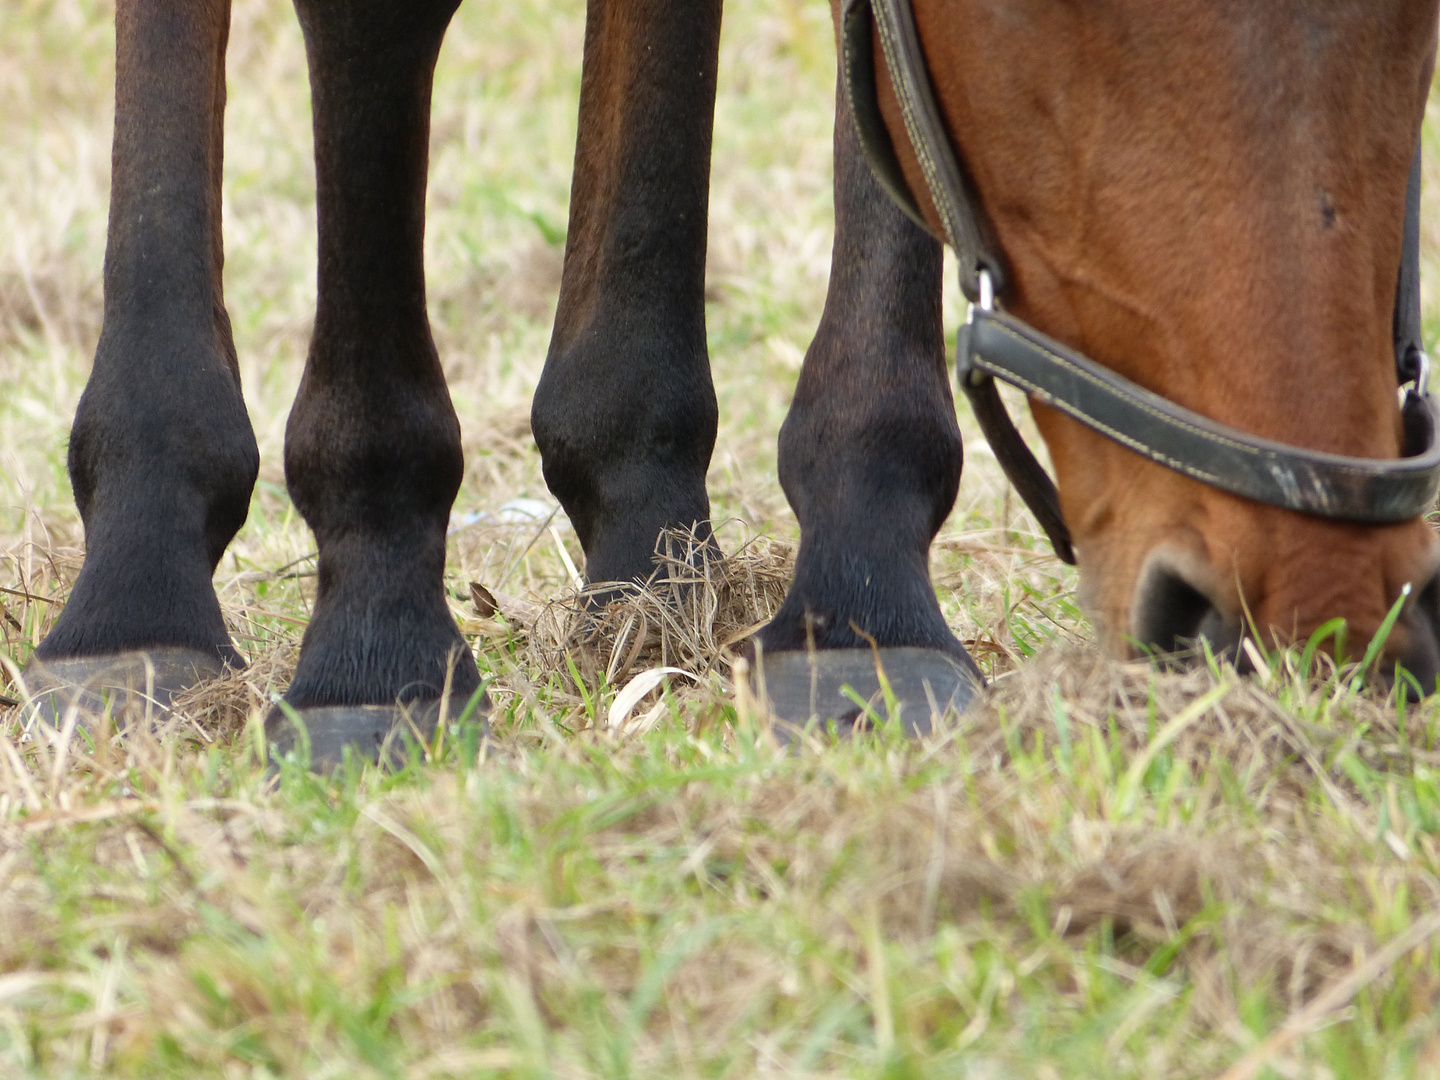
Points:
(380, 734)
(808, 688)
(132, 686)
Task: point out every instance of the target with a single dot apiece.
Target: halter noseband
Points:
(994, 345)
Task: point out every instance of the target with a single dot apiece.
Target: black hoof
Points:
(130, 687)
(808, 688)
(383, 734)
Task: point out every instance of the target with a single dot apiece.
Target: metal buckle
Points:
(985, 290)
(966, 371)
(1420, 384)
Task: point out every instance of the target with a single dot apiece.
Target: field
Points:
(1106, 870)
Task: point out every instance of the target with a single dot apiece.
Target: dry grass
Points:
(1104, 870)
(697, 608)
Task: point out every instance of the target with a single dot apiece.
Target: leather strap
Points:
(857, 57)
(1410, 359)
(1026, 475)
(998, 346)
(966, 229)
(1373, 490)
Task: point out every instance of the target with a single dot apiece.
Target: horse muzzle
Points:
(1181, 601)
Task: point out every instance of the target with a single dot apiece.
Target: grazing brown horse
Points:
(1205, 194)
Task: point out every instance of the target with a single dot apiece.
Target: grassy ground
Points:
(1105, 871)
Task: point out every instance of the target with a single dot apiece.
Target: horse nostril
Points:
(1421, 657)
(1170, 615)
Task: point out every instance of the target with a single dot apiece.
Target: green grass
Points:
(1107, 870)
(1025, 895)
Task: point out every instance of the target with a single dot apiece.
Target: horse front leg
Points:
(372, 448)
(870, 458)
(625, 411)
(162, 457)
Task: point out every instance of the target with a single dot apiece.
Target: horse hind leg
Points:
(372, 448)
(162, 457)
(870, 459)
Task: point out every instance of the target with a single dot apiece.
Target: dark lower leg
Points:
(625, 411)
(372, 450)
(870, 452)
(162, 456)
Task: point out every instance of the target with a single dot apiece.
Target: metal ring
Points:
(984, 292)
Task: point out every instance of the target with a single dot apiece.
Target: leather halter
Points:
(994, 345)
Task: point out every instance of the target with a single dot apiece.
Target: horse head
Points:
(1206, 197)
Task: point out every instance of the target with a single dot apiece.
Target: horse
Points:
(1207, 197)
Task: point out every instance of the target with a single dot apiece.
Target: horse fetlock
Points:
(354, 468)
(175, 432)
(625, 463)
(177, 467)
(621, 546)
(881, 463)
(620, 514)
(617, 399)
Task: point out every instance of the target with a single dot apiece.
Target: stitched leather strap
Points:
(857, 57)
(1025, 474)
(965, 227)
(1326, 485)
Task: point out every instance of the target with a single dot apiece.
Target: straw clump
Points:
(697, 608)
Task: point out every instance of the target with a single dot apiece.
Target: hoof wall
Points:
(130, 687)
(382, 734)
(805, 689)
